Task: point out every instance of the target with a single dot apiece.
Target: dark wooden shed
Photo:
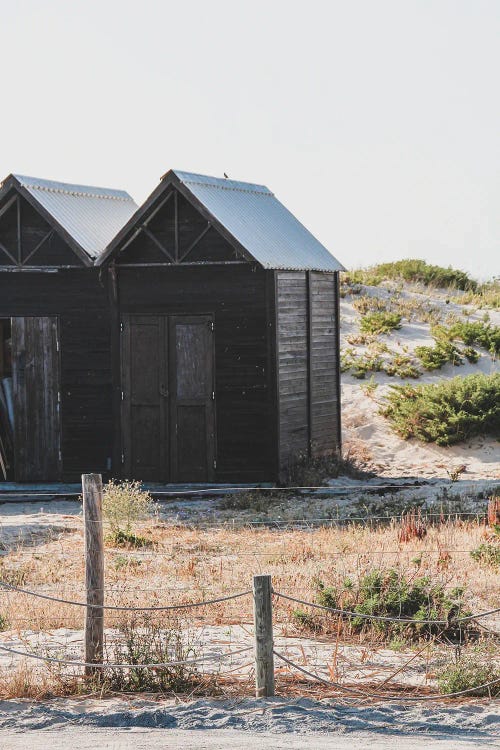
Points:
(194, 339)
(56, 415)
(227, 367)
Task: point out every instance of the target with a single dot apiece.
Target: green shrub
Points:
(305, 620)
(448, 412)
(3, 623)
(487, 555)
(417, 271)
(120, 538)
(360, 364)
(471, 333)
(435, 357)
(402, 366)
(123, 505)
(393, 594)
(470, 354)
(468, 672)
(380, 322)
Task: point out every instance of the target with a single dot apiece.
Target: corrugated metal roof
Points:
(92, 216)
(260, 223)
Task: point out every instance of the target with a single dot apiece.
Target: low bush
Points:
(3, 623)
(119, 538)
(402, 366)
(435, 357)
(447, 412)
(471, 333)
(123, 505)
(487, 555)
(470, 672)
(413, 270)
(142, 640)
(380, 322)
(393, 594)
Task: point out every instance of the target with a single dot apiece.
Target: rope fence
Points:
(230, 597)
(263, 594)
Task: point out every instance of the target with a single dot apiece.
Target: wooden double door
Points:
(168, 397)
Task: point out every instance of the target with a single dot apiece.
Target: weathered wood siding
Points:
(236, 297)
(308, 366)
(79, 299)
(324, 364)
(292, 331)
(35, 370)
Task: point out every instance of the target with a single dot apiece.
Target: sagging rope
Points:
(403, 698)
(117, 608)
(108, 665)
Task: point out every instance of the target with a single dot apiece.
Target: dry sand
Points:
(247, 723)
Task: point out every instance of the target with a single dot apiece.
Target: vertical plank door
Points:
(192, 415)
(36, 386)
(145, 397)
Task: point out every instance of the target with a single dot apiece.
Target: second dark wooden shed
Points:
(225, 315)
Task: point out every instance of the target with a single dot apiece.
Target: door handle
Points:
(163, 391)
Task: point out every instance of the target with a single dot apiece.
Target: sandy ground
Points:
(365, 432)
(247, 723)
(139, 739)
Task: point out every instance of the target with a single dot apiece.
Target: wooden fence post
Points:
(263, 625)
(94, 570)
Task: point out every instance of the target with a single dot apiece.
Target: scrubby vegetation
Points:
(471, 671)
(487, 554)
(392, 594)
(416, 271)
(485, 296)
(371, 361)
(448, 412)
(380, 322)
(124, 505)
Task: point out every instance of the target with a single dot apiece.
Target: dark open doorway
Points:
(6, 402)
(30, 435)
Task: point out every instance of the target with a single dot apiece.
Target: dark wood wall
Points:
(80, 300)
(308, 367)
(291, 304)
(237, 297)
(324, 362)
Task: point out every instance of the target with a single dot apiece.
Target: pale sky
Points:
(376, 122)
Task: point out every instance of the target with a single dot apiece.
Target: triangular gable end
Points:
(30, 237)
(172, 230)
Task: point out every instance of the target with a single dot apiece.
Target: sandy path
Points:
(112, 739)
(246, 723)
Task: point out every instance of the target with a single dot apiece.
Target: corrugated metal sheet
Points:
(260, 223)
(91, 215)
